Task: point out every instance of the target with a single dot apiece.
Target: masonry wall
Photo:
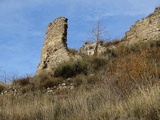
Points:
(145, 29)
(54, 50)
(89, 49)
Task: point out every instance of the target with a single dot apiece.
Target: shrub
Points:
(101, 42)
(135, 48)
(83, 80)
(22, 81)
(45, 84)
(93, 79)
(46, 81)
(2, 87)
(88, 64)
(28, 88)
(133, 69)
(25, 83)
(72, 51)
(111, 53)
(109, 43)
(95, 63)
(70, 69)
(78, 80)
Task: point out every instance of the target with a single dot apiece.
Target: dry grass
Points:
(44, 81)
(125, 87)
(87, 65)
(110, 43)
(72, 51)
(97, 103)
(3, 86)
(22, 81)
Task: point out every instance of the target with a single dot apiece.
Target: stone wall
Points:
(145, 29)
(89, 49)
(54, 49)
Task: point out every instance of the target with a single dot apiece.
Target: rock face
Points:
(89, 49)
(55, 48)
(145, 29)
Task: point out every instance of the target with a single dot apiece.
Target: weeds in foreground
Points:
(2, 87)
(99, 102)
(22, 81)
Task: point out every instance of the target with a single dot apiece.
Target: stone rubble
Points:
(18, 90)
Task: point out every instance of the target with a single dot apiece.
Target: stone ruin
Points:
(147, 29)
(89, 49)
(55, 48)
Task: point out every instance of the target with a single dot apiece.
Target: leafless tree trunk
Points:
(97, 33)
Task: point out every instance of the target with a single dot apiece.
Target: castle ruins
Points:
(55, 49)
(145, 29)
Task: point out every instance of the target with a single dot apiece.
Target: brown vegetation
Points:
(2, 87)
(126, 86)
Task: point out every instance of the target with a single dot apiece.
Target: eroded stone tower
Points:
(54, 49)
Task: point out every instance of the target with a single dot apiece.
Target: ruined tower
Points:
(54, 50)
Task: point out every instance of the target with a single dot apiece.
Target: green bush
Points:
(84, 66)
(70, 69)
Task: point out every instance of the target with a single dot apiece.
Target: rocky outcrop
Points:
(147, 29)
(55, 48)
(89, 49)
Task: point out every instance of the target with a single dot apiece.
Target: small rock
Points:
(71, 87)
(63, 84)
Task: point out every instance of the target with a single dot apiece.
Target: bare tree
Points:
(97, 33)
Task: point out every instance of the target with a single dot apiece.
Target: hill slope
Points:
(123, 83)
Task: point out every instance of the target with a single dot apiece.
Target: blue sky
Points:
(23, 24)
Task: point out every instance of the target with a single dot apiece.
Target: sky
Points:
(23, 25)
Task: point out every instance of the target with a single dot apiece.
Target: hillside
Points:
(121, 82)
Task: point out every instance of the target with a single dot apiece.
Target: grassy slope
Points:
(127, 87)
